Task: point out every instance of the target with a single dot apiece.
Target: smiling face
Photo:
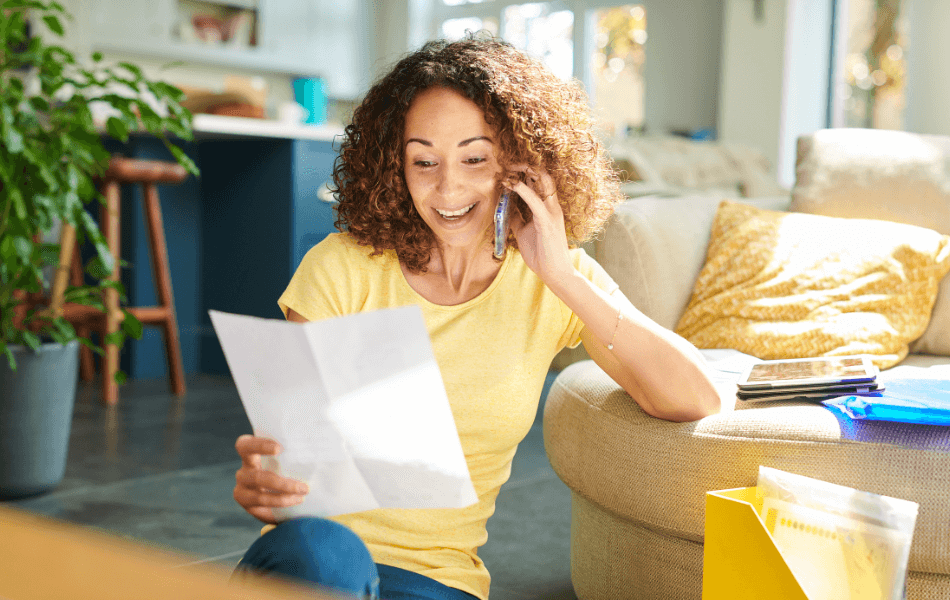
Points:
(451, 166)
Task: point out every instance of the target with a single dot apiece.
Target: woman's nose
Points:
(449, 181)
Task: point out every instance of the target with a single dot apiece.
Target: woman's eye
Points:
(475, 160)
(423, 163)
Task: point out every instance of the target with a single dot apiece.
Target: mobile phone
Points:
(502, 212)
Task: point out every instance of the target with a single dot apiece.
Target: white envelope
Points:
(358, 405)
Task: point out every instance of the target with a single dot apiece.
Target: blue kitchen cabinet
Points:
(235, 237)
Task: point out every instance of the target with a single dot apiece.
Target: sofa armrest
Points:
(654, 249)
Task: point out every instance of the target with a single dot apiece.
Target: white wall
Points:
(750, 98)
(681, 73)
(928, 67)
(805, 79)
(775, 76)
(390, 34)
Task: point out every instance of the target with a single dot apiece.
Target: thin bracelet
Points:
(610, 346)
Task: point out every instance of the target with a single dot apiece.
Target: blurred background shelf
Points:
(304, 38)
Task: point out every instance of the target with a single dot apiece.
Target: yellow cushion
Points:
(793, 285)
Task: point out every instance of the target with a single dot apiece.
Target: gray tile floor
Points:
(160, 470)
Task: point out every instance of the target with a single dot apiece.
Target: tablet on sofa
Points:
(808, 372)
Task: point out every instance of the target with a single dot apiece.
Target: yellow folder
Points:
(740, 560)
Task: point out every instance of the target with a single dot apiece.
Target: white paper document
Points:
(358, 405)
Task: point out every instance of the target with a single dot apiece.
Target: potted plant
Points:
(51, 152)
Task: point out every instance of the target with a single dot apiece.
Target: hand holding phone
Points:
(502, 212)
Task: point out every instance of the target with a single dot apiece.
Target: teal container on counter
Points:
(311, 94)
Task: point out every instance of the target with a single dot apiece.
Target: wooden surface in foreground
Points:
(45, 559)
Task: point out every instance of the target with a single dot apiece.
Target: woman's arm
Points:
(294, 316)
(663, 372)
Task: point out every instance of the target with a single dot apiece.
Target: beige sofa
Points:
(673, 166)
(638, 483)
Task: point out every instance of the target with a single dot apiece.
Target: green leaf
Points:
(10, 360)
(16, 197)
(120, 377)
(132, 326)
(12, 136)
(54, 25)
(7, 250)
(86, 295)
(161, 88)
(182, 158)
(49, 254)
(133, 69)
(97, 57)
(84, 187)
(117, 129)
(88, 225)
(23, 248)
(13, 140)
(40, 104)
(57, 337)
(88, 344)
(115, 338)
(117, 285)
(30, 339)
(6, 114)
(99, 267)
(62, 329)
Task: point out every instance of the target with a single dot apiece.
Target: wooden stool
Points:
(148, 173)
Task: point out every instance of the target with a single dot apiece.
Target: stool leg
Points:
(110, 225)
(163, 286)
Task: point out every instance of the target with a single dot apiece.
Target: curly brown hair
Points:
(541, 121)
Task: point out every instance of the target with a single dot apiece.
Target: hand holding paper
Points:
(358, 405)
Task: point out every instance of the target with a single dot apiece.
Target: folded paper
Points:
(357, 404)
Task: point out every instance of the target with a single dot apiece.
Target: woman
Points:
(430, 151)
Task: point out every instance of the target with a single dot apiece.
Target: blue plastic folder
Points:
(924, 401)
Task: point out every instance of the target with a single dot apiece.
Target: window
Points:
(544, 32)
(612, 39)
(870, 77)
(454, 29)
(617, 68)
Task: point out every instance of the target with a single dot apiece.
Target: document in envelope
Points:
(358, 405)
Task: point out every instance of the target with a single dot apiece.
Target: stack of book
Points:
(814, 379)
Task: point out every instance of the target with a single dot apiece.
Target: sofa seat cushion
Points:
(791, 285)
(655, 473)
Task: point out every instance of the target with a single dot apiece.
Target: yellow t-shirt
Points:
(493, 352)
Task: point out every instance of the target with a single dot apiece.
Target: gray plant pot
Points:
(36, 412)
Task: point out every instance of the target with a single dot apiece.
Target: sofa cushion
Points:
(936, 339)
(858, 173)
(654, 248)
(791, 285)
(668, 165)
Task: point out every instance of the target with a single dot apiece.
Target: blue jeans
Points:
(325, 553)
